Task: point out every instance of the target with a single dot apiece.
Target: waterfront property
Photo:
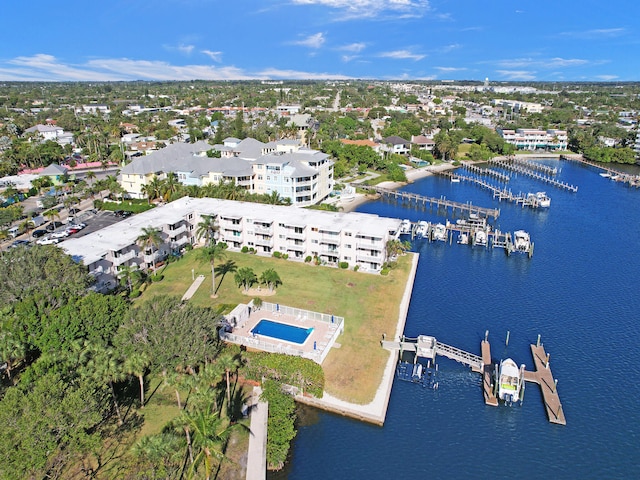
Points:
(356, 239)
(285, 167)
(276, 328)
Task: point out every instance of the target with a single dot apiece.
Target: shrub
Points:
(188, 247)
(277, 254)
(157, 278)
(285, 256)
(257, 302)
(343, 265)
(307, 259)
(252, 250)
(356, 268)
(135, 293)
(244, 249)
(384, 271)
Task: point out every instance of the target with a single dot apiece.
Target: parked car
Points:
(122, 213)
(53, 225)
(61, 234)
(19, 243)
(47, 241)
(72, 230)
(38, 233)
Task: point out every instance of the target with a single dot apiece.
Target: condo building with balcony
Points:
(358, 239)
(302, 175)
(535, 139)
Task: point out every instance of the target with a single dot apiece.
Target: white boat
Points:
(521, 241)
(510, 382)
(422, 229)
(605, 175)
(439, 233)
(455, 180)
(463, 238)
(543, 200)
(473, 221)
(405, 227)
(480, 238)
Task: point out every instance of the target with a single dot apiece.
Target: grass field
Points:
(369, 303)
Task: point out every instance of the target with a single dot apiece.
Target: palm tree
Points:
(208, 438)
(12, 350)
(136, 364)
(228, 363)
(207, 228)
(106, 366)
(51, 214)
(245, 277)
(227, 267)
(125, 274)
(91, 176)
(153, 189)
(170, 186)
(150, 238)
(159, 453)
(211, 254)
(270, 278)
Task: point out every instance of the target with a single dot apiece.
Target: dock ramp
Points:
(473, 361)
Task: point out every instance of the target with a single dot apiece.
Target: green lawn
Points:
(369, 303)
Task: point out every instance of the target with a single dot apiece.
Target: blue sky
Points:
(515, 40)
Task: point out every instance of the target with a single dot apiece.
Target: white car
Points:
(47, 241)
(61, 234)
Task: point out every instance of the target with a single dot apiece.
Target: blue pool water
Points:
(282, 331)
(580, 292)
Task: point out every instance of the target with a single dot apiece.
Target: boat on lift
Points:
(439, 232)
(510, 382)
(405, 227)
(521, 241)
(422, 229)
(463, 238)
(480, 237)
(543, 199)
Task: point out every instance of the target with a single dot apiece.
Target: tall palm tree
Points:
(107, 367)
(171, 185)
(207, 440)
(207, 228)
(228, 363)
(150, 238)
(136, 364)
(91, 176)
(12, 350)
(160, 454)
(211, 254)
(245, 277)
(227, 267)
(153, 189)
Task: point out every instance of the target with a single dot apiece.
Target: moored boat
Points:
(422, 229)
(463, 238)
(405, 227)
(521, 241)
(439, 232)
(480, 238)
(510, 382)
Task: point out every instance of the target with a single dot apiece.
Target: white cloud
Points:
(597, 33)
(353, 47)
(556, 62)
(312, 41)
(522, 75)
(402, 55)
(297, 75)
(43, 67)
(607, 78)
(181, 48)
(450, 69)
(350, 9)
(215, 56)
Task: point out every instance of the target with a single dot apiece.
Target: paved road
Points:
(257, 456)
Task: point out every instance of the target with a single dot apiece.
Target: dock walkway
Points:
(543, 377)
(442, 202)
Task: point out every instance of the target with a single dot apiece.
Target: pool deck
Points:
(326, 329)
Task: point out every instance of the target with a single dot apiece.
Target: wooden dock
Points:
(543, 377)
(420, 200)
(488, 375)
(615, 175)
(507, 164)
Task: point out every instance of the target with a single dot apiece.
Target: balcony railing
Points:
(263, 230)
(124, 257)
(361, 257)
(177, 231)
(264, 242)
(297, 248)
(295, 236)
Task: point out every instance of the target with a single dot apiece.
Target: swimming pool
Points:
(282, 331)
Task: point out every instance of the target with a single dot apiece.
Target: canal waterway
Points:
(580, 292)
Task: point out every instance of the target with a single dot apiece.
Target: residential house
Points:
(395, 144)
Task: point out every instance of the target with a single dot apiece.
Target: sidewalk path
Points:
(193, 288)
(257, 456)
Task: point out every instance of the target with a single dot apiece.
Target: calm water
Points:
(580, 291)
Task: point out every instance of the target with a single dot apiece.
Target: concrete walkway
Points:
(257, 455)
(193, 288)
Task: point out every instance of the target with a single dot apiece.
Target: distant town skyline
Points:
(163, 40)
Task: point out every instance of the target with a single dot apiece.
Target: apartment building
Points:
(303, 175)
(534, 139)
(330, 237)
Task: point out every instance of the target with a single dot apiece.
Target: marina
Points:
(501, 383)
(421, 201)
(521, 169)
